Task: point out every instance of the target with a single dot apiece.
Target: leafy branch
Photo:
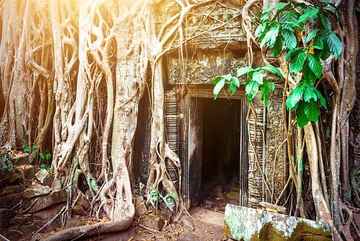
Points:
(302, 35)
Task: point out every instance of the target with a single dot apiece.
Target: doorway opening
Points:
(220, 152)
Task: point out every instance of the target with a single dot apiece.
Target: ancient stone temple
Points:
(220, 142)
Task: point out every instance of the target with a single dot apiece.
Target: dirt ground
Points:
(206, 225)
(19, 223)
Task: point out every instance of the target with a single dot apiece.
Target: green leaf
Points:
(276, 50)
(325, 52)
(315, 65)
(298, 63)
(234, 85)
(272, 69)
(309, 13)
(218, 87)
(289, 39)
(318, 43)
(34, 148)
(153, 197)
(26, 149)
(258, 77)
(288, 20)
(310, 94)
(43, 166)
(217, 79)
(42, 156)
(291, 53)
(308, 76)
(294, 98)
(280, 6)
(251, 89)
(169, 202)
(270, 37)
(266, 89)
(335, 44)
(301, 118)
(243, 70)
(310, 36)
(260, 29)
(234, 80)
(265, 14)
(325, 22)
(48, 156)
(322, 99)
(312, 111)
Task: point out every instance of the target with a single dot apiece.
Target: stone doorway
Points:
(216, 165)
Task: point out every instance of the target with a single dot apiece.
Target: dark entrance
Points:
(215, 152)
(221, 153)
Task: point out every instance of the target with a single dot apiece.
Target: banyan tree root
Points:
(13, 52)
(160, 181)
(90, 230)
(114, 198)
(321, 206)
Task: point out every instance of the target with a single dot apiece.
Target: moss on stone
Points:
(249, 224)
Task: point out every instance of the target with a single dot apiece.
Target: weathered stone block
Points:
(10, 178)
(11, 190)
(49, 200)
(248, 224)
(36, 190)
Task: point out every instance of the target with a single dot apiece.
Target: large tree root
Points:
(87, 231)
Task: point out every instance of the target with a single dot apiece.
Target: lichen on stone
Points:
(248, 224)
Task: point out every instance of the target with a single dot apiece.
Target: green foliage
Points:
(44, 166)
(334, 44)
(220, 81)
(30, 149)
(304, 35)
(153, 197)
(266, 90)
(306, 99)
(6, 164)
(253, 79)
(289, 38)
(295, 97)
(297, 61)
(45, 156)
(311, 35)
(270, 37)
(309, 13)
(170, 201)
